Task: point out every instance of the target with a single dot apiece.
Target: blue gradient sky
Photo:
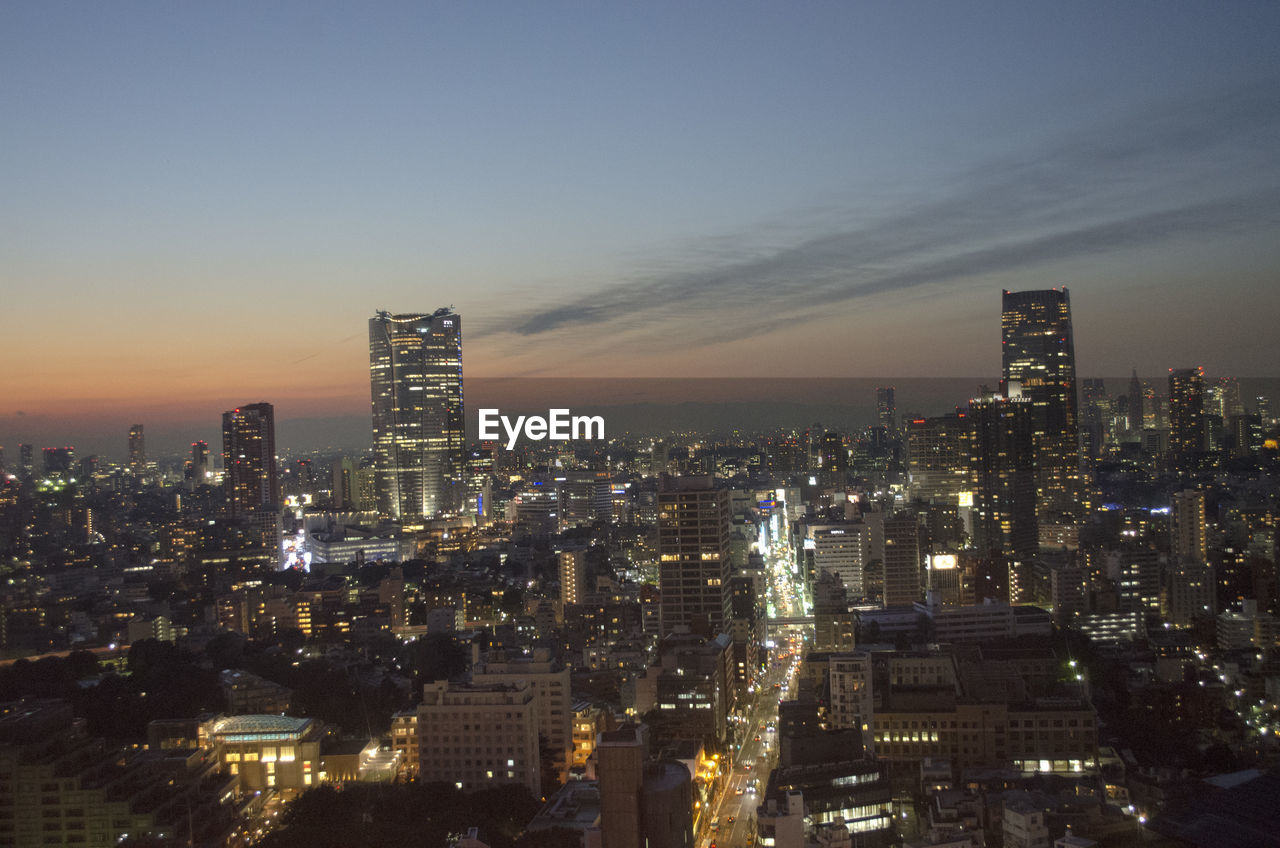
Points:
(202, 204)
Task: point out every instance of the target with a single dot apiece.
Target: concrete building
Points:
(60, 786)
(548, 680)
(843, 550)
(901, 560)
(693, 554)
(938, 464)
(477, 735)
(1024, 826)
(851, 706)
(247, 693)
(573, 577)
(643, 804)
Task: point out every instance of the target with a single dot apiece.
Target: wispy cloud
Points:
(1169, 172)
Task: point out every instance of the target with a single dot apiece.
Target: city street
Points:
(733, 821)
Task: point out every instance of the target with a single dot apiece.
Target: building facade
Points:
(693, 555)
(1038, 353)
(415, 370)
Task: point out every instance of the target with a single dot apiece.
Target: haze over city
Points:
(204, 204)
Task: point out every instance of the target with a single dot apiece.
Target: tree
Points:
(436, 656)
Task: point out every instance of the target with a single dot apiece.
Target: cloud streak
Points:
(1181, 172)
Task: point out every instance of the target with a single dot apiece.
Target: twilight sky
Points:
(202, 204)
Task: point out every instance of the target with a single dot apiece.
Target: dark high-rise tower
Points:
(693, 553)
(886, 408)
(1004, 472)
(59, 460)
(1038, 353)
(415, 370)
(834, 459)
(1136, 398)
(137, 450)
(1186, 417)
(249, 460)
(199, 461)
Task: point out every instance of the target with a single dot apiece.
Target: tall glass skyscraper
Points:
(1038, 353)
(415, 370)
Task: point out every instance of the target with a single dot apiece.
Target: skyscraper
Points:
(59, 460)
(1004, 475)
(834, 458)
(938, 457)
(200, 461)
(137, 450)
(249, 460)
(886, 408)
(693, 554)
(1186, 417)
(1136, 398)
(1038, 352)
(415, 369)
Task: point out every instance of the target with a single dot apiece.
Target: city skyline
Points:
(634, 406)
(721, 191)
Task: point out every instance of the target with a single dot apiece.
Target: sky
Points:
(202, 204)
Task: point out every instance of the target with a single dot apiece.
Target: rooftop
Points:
(254, 725)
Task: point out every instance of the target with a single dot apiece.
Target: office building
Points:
(415, 369)
(137, 450)
(1038, 353)
(59, 460)
(1136, 398)
(748, 626)
(1186, 418)
(1004, 476)
(848, 801)
(1057, 735)
(1226, 398)
(249, 459)
(833, 458)
(901, 560)
(693, 554)
(343, 484)
(475, 736)
(1135, 571)
(938, 464)
(886, 408)
(843, 550)
(834, 625)
(26, 460)
(851, 706)
(199, 463)
(548, 680)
